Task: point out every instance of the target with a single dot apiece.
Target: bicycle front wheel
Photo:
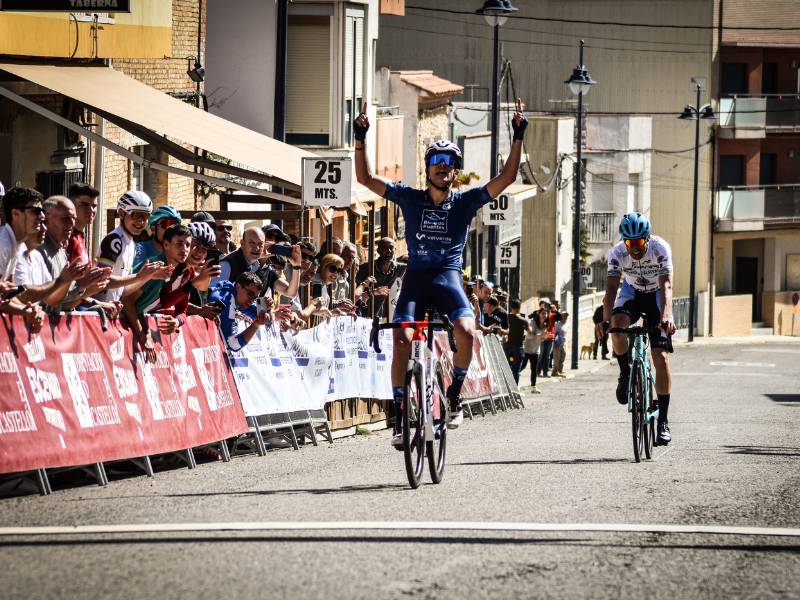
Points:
(413, 428)
(638, 423)
(436, 449)
(650, 421)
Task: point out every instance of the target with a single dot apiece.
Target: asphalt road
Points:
(565, 459)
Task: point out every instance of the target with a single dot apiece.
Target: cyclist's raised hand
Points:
(361, 124)
(519, 122)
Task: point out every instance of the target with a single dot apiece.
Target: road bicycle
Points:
(423, 410)
(642, 404)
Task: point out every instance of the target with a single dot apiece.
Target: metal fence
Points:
(680, 311)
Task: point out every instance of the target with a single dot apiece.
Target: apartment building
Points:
(756, 245)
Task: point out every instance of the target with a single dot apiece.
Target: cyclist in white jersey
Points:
(643, 262)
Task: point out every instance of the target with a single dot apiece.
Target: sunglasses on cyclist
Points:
(640, 243)
(442, 157)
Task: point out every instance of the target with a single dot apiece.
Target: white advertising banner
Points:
(279, 372)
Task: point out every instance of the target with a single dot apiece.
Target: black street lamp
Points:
(695, 113)
(496, 13)
(580, 82)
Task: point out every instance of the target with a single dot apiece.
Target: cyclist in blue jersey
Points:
(437, 223)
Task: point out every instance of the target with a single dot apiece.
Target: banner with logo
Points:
(480, 381)
(75, 394)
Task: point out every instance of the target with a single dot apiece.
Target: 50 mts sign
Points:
(498, 210)
(327, 181)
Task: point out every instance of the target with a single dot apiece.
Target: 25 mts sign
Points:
(327, 181)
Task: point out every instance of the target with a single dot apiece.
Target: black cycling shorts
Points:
(438, 288)
(646, 303)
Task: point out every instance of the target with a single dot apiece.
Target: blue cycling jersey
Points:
(436, 234)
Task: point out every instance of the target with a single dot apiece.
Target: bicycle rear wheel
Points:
(436, 449)
(413, 428)
(637, 411)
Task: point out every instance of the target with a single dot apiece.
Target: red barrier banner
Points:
(75, 394)
(480, 381)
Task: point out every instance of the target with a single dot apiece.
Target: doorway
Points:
(746, 280)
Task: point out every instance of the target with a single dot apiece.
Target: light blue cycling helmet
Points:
(634, 226)
(163, 212)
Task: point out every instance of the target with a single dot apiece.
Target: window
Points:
(731, 170)
(602, 193)
(353, 72)
(308, 82)
(769, 78)
(734, 79)
(768, 169)
(636, 199)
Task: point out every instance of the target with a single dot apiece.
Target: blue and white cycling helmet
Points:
(445, 147)
(163, 212)
(135, 201)
(203, 233)
(634, 226)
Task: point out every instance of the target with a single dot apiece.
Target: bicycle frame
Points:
(423, 360)
(640, 354)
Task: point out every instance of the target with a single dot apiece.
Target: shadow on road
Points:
(783, 397)
(764, 450)
(573, 461)
(347, 489)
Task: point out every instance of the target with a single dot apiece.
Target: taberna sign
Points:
(106, 6)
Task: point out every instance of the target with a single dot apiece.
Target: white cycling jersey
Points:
(641, 275)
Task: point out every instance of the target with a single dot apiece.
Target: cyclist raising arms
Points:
(437, 223)
(645, 262)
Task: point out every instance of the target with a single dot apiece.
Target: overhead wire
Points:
(616, 23)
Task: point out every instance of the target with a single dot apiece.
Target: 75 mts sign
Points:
(327, 181)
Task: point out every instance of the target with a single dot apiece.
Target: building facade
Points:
(756, 247)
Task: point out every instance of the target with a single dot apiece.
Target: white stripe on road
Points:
(723, 373)
(733, 363)
(773, 350)
(396, 526)
(663, 453)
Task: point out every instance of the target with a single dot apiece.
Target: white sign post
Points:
(498, 210)
(507, 257)
(327, 181)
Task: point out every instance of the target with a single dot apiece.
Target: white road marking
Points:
(663, 453)
(773, 350)
(396, 526)
(733, 363)
(723, 373)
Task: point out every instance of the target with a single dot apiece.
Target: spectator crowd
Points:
(155, 264)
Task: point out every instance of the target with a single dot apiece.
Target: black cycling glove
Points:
(519, 128)
(360, 131)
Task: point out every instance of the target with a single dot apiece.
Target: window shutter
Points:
(308, 76)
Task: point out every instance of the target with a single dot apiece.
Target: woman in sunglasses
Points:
(644, 264)
(437, 223)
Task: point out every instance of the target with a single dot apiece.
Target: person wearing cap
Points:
(378, 283)
(213, 254)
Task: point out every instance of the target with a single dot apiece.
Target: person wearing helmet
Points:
(204, 242)
(161, 219)
(643, 263)
(437, 223)
(118, 248)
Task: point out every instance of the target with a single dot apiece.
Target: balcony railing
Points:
(601, 227)
(758, 208)
(768, 111)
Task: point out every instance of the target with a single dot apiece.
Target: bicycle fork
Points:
(419, 363)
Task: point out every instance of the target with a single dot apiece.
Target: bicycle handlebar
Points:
(636, 330)
(442, 323)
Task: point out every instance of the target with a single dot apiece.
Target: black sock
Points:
(454, 391)
(624, 367)
(663, 407)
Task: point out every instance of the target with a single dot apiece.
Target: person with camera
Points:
(378, 283)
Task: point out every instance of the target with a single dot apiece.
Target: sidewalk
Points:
(584, 366)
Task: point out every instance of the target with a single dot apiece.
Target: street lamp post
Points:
(579, 84)
(695, 113)
(496, 13)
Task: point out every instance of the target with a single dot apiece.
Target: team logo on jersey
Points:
(434, 221)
